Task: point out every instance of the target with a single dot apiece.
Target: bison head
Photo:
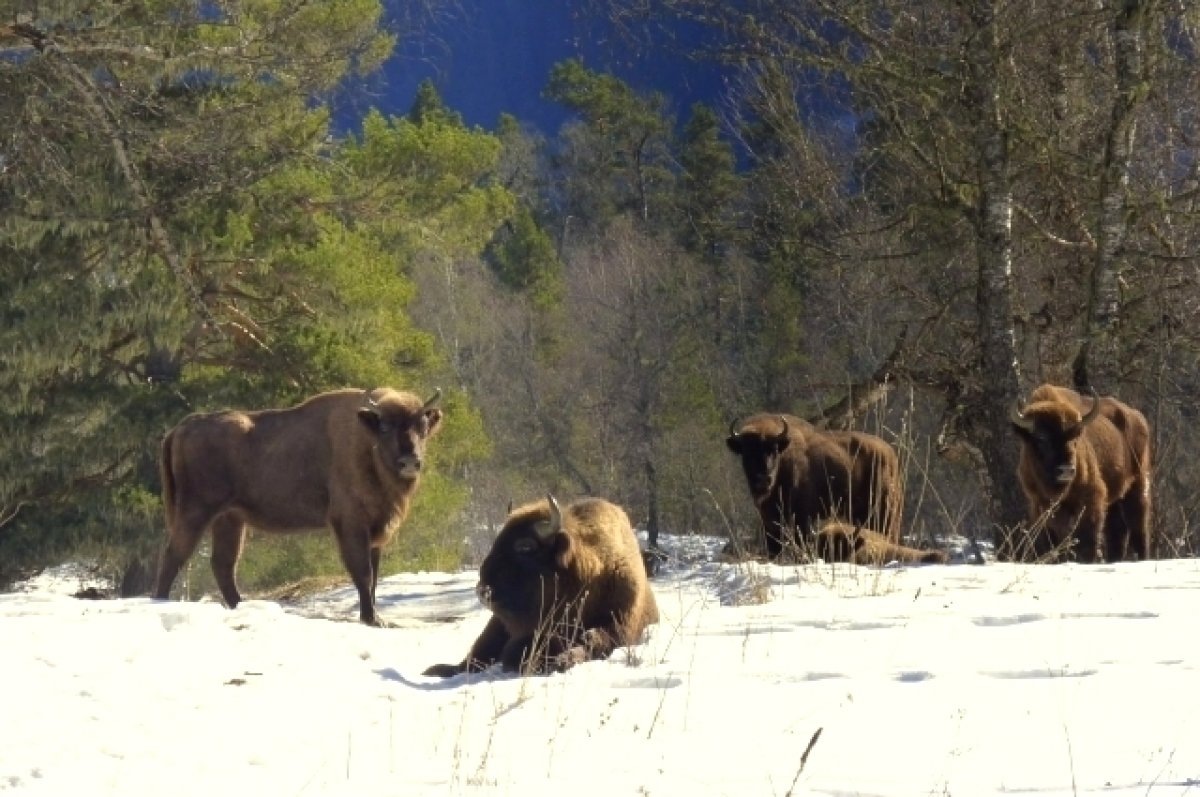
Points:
(401, 426)
(759, 444)
(528, 571)
(1049, 430)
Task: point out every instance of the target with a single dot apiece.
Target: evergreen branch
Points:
(37, 39)
(36, 495)
(88, 92)
(139, 52)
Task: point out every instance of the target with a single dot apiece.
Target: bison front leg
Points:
(354, 545)
(486, 651)
(777, 530)
(1116, 535)
(1089, 536)
(1048, 534)
(521, 654)
(1044, 545)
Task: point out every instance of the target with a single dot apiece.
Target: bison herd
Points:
(569, 584)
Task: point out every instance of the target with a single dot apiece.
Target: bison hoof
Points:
(376, 622)
(568, 659)
(442, 671)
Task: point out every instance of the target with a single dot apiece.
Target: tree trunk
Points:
(1097, 359)
(652, 519)
(998, 371)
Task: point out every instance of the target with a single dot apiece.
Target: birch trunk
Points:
(998, 371)
(1097, 362)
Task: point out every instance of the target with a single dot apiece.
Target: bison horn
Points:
(1018, 418)
(429, 402)
(733, 428)
(784, 434)
(1094, 410)
(555, 517)
(368, 402)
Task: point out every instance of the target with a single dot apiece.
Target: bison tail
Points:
(167, 474)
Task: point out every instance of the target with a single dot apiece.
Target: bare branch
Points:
(863, 395)
(1025, 213)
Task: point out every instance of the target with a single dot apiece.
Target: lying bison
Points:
(349, 460)
(563, 586)
(799, 476)
(837, 541)
(1085, 472)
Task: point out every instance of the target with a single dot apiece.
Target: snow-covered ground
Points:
(942, 680)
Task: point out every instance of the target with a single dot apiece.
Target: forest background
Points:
(895, 215)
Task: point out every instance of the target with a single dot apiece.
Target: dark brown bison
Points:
(837, 541)
(349, 460)
(799, 475)
(563, 586)
(1085, 472)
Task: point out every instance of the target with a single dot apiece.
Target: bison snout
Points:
(484, 592)
(408, 465)
(760, 485)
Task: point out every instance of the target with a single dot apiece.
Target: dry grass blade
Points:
(804, 760)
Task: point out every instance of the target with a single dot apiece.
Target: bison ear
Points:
(564, 551)
(1022, 425)
(433, 417)
(369, 419)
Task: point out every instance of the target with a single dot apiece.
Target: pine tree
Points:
(179, 231)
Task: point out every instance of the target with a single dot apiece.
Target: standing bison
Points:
(563, 586)
(1085, 472)
(799, 476)
(349, 460)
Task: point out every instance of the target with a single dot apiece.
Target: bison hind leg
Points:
(228, 537)
(1127, 528)
(184, 531)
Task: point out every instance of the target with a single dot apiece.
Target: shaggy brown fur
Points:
(1085, 472)
(836, 541)
(563, 588)
(799, 475)
(349, 460)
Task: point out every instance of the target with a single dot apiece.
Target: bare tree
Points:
(636, 303)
